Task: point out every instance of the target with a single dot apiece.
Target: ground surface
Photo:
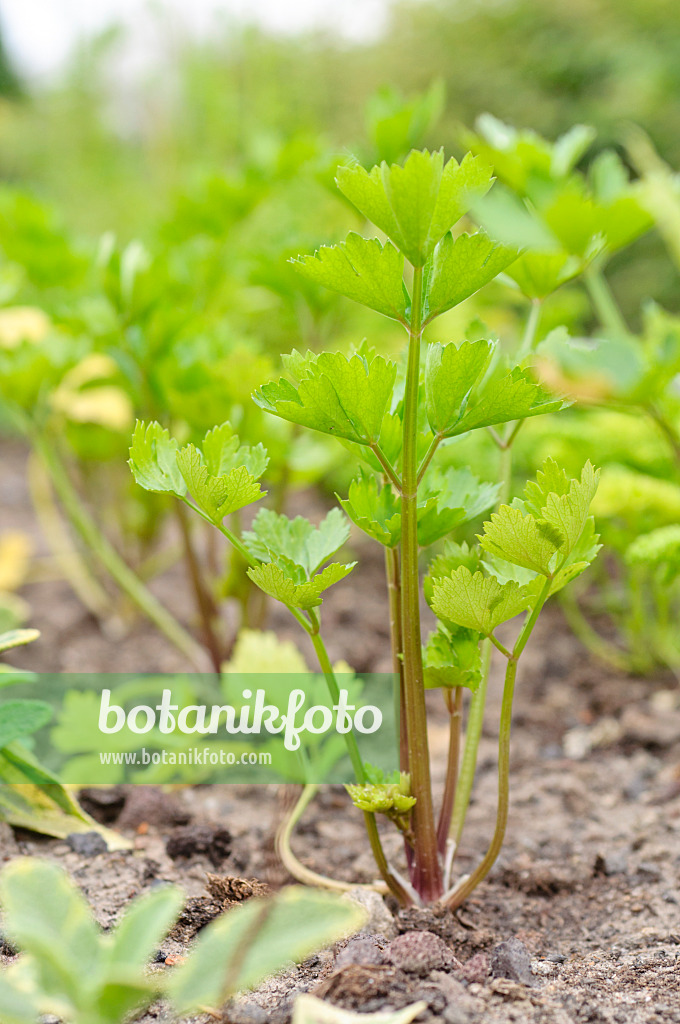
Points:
(587, 882)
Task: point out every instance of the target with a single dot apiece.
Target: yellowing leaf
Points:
(22, 323)
(16, 549)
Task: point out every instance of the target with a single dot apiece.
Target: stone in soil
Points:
(511, 960)
(87, 844)
(420, 953)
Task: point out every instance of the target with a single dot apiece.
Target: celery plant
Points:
(394, 420)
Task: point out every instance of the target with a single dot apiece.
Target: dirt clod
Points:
(229, 889)
(151, 806)
(420, 953)
(214, 841)
(104, 805)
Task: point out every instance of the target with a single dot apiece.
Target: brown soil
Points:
(587, 881)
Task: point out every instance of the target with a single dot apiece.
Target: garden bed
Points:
(587, 881)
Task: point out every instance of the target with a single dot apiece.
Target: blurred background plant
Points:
(145, 223)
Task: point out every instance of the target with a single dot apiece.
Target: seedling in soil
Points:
(395, 420)
(71, 969)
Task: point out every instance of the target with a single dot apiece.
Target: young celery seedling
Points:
(395, 426)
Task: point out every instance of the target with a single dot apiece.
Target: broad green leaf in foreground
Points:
(45, 915)
(153, 460)
(338, 396)
(255, 939)
(21, 718)
(417, 203)
(363, 270)
(19, 999)
(478, 602)
(279, 584)
(460, 267)
(297, 540)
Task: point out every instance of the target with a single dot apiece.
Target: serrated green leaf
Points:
(375, 510)
(217, 496)
(276, 582)
(339, 396)
(298, 540)
(363, 270)
(255, 939)
(443, 564)
(550, 479)
(417, 203)
(153, 460)
(452, 658)
(223, 452)
(478, 602)
(451, 372)
(513, 397)
(521, 539)
(21, 718)
(460, 267)
(567, 513)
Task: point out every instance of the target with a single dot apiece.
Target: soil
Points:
(579, 920)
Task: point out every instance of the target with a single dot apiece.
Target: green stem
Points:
(473, 732)
(461, 892)
(334, 690)
(529, 339)
(454, 704)
(204, 602)
(603, 301)
(394, 594)
(126, 579)
(357, 764)
(427, 872)
(386, 465)
(434, 444)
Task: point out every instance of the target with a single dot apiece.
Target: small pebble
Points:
(510, 960)
(87, 844)
(363, 949)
